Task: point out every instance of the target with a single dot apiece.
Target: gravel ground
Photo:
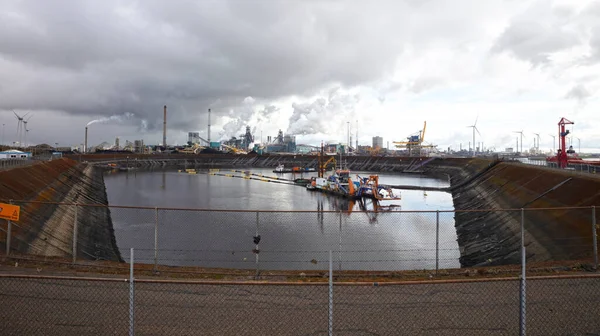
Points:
(84, 307)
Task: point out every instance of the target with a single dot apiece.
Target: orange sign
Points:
(10, 212)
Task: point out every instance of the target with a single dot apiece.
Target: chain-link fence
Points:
(69, 306)
(300, 240)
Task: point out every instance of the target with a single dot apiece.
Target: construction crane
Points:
(415, 142)
(324, 166)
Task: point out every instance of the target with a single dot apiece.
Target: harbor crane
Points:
(565, 156)
(415, 142)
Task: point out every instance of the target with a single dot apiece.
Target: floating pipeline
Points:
(46, 228)
(249, 176)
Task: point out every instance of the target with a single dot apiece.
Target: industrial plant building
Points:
(377, 142)
(194, 137)
(281, 143)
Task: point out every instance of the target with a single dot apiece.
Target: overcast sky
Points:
(306, 67)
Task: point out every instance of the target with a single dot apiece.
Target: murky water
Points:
(398, 236)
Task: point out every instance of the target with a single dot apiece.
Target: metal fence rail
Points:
(297, 240)
(580, 167)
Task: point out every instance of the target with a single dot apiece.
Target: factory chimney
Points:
(165, 128)
(85, 141)
(357, 136)
(209, 127)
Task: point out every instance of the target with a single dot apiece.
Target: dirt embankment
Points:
(46, 228)
(493, 237)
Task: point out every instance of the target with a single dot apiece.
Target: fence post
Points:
(75, 228)
(256, 250)
(155, 239)
(330, 319)
(8, 234)
(595, 237)
(340, 246)
(437, 241)
(522, 292)
(131, 296)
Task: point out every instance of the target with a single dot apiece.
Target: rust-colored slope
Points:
(32, 182)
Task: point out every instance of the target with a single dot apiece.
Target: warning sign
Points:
(10, 212)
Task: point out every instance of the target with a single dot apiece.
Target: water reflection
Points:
(369, 208)
(366, 235)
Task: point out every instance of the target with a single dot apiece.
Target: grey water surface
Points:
(219, 216)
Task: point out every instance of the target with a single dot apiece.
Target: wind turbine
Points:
(520, 132)
(25, 128)
(19, 126)
(474, 127)
(579, 144)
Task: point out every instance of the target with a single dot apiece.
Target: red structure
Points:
(565, 156)
(561, 156)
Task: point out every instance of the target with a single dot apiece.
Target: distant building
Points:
(138, 146)
(508, 150)
(377, 142)
(302, 149)
(194, 137)
(117, 144)
(14, 154)
(281, 143)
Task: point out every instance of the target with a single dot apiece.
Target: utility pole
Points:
(553, 143)
(2, 135)
(357, 135)
(348, 138)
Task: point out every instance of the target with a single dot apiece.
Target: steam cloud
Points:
(249, 114)
(114, 118)
(324, 115)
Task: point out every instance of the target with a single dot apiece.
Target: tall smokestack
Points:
(165, 128)
(85, 141)
(357, 135)
(209, 127)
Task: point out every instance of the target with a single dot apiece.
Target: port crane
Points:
(415, 142)
(565, 155)
(562, 157)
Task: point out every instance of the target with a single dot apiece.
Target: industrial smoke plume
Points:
(114, 118)
(319, 117)
(316, 117)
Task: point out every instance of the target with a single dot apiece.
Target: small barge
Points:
(281, 169)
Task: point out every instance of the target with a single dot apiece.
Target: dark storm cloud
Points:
(106, 58)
